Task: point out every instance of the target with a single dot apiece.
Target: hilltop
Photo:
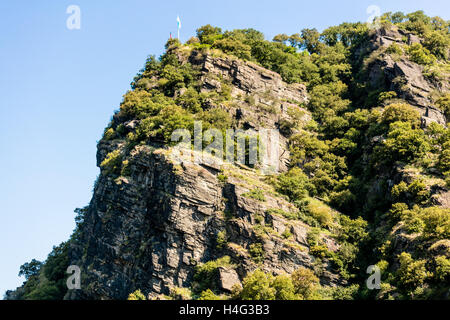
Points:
(362, 179)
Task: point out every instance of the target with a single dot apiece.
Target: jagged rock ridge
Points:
(150, 229)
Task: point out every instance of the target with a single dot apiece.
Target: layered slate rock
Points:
(150, 229)
(271, 97)
(403, 76)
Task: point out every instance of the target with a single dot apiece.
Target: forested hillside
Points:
(362, 112)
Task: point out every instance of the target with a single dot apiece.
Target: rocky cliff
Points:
(394, 71)
(361, 153)
(149, 229)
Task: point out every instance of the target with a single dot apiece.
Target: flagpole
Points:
(178, 26)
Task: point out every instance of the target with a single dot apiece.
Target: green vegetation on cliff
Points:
(364, 170)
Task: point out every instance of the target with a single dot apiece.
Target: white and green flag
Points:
(179, 26)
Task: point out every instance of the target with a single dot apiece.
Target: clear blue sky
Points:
(59, 88)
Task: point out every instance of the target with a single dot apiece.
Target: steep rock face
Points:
(150, 229)
(403, 76)
(271, 98)
(249, 78)
(385, 36)
(414, 88)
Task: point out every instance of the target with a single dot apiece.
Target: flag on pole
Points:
(179, 26)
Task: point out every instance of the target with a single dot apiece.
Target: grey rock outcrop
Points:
(228, 279)
(403, 76)
(260, 98)
(249, 78)
(150, 229)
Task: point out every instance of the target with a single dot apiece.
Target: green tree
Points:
(401, 112)
(284, 288)
(311, 40)
(294, 184)
(420, 55)
(234, 47)
(30, 269)
(208, 34)
(411, 273)
(437, 43)
(137, 295)
(444, 104)
(305, 283)
(442, 272)
(258, 286)
(403, 143)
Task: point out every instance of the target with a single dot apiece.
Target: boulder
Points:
(228, 278)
